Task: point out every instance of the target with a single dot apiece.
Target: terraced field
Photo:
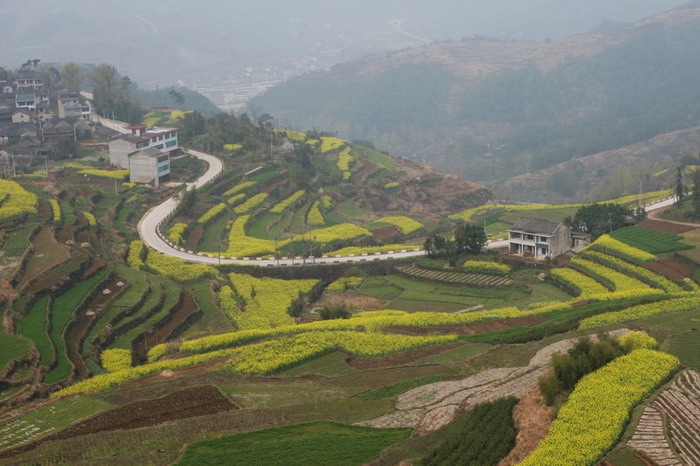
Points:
(455, 277)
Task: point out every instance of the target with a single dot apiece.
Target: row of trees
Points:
(598, 219)
(467, 239)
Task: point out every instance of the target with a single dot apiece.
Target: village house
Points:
(70, 105)
(145, 153)
(29, 81)
(538, 239)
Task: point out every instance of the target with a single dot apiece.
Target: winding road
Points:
(149, 225)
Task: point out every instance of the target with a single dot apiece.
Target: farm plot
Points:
(455, 277)
(655, 242)
(34, 327)
(680, 406)
(61, 313)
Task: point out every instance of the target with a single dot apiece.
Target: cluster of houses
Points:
(32, 118)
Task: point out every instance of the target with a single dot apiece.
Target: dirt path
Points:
(532, 419)
(654, 215)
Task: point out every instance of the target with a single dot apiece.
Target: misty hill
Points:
(491, 110)
(179, 41)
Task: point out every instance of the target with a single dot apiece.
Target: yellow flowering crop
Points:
(239, 187)
(282, 205)
(356, 250)
(157, 352)
(233, 147)
(115, 359)
(135, 250)
(620, 281)
(176, 231)
(271, 356)
(211, 213)
(16, 200)
(657, 280)
(111, 174)
(591, 421)
(266, 300)
(176, 268)
(610, 245)
(392, 184)
(330, 143)
(641, 311)
(585, 285)
(56, 210)
(315, 217)
(233, 200)
(251, 203)
(90, 219)
(493, 268)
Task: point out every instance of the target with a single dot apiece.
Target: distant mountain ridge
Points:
(493, 110)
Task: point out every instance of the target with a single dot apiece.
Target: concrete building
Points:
(145, 153)
(29, 81)
(69, 105)
(538, 239)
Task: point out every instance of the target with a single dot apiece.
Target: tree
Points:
(680, 188)
(105, 88)
(72, 76)
(177, 96)
(597, 219)
(65, 147)
(470, 238)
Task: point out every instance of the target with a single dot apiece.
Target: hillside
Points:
(491, 110)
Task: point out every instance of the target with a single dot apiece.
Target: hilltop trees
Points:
(72, 76)
(111, 94)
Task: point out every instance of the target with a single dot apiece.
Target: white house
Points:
(538, 239)
(145, 153)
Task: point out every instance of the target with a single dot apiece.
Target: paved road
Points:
(148, 226)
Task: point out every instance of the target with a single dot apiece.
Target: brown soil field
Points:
(44, 209)
(400, 358)
(75, 336)
(193, 238)
(671, 269)
(665, 227)
(159, 335)
(47, 253)
(532, 419)
(352, 300)
(191, 402)
(470, 329)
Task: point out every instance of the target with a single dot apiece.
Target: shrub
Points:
(334, 311)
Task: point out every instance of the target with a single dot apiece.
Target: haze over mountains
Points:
(183, 42)
(493, 111)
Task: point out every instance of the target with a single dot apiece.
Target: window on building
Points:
(515, 235)
(163, 168)
(531, 237)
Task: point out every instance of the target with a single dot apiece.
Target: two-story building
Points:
(538, 239)
(145, 153)
(70, 106)
(29, 81)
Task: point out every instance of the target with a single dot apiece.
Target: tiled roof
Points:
(535, 225)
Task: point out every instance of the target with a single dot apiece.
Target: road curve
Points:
(149, 227)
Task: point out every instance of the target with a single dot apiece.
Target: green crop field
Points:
(320, 444)
(655, 242)
(13, 347)
(61, 314)
(33, 326)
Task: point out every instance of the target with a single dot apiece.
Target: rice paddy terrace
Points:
(112, 352)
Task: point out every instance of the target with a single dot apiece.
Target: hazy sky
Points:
(163, 41)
